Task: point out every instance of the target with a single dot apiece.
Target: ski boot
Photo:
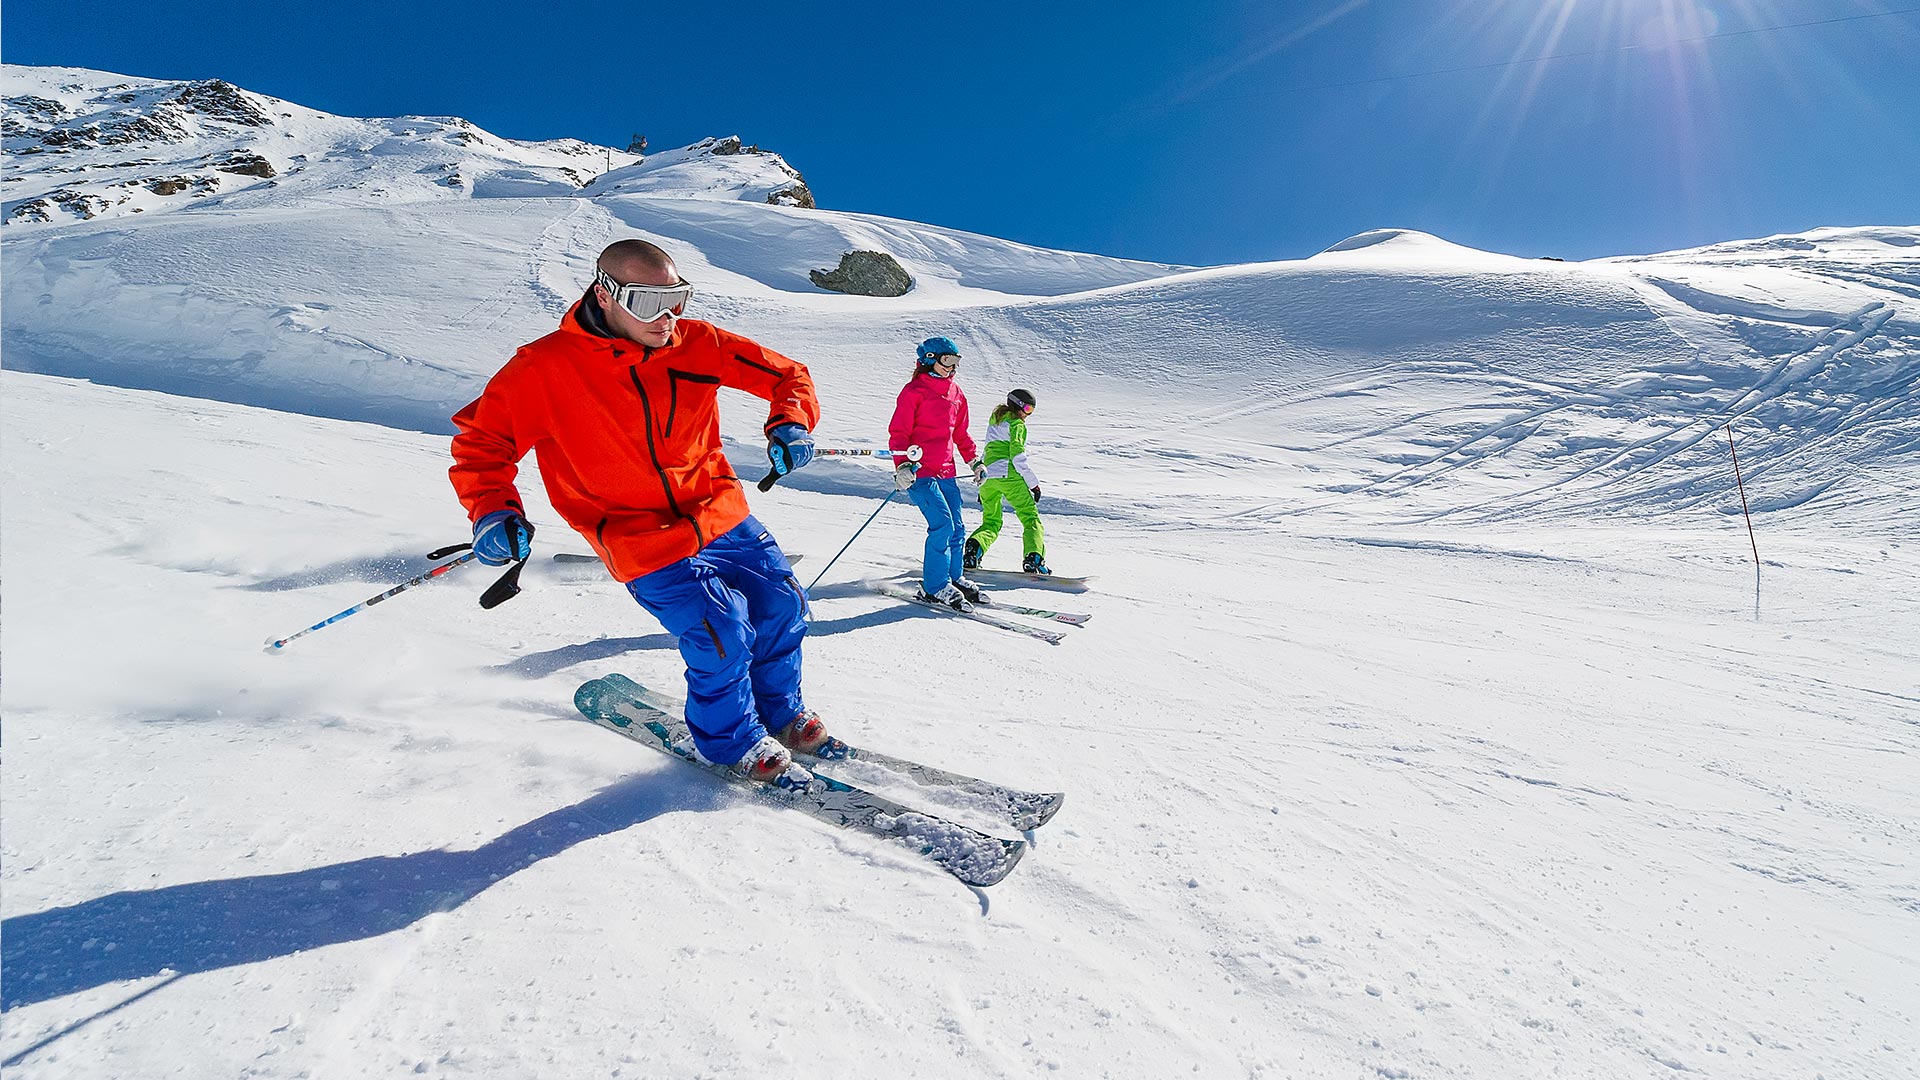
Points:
(975, 595)
(1034, 563)
(974, 554)
(807, 734)
(771, 763)
(948, 596)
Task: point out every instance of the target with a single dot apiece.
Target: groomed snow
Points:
(1432, 722)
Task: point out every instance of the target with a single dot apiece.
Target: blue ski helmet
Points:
(936, 346)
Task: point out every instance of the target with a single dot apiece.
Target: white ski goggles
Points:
(647, 302)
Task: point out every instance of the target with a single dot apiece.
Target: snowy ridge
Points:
(83, 145)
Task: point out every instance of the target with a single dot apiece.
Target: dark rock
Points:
(32, 210)
(221, 100)
(794, 194)
(126, 128)
(242, 163)
(174, 185)
(865, 273)
(39, 108)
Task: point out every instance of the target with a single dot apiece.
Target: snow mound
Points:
(1409, 246)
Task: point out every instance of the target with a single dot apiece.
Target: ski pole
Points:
(851, 539)
(499, 592)
(913, 454)
(772, 478)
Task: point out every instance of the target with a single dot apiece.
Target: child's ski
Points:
(980, 615)
(1071, 618)
(1039, 581)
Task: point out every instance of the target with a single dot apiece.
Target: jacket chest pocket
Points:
(690, 397)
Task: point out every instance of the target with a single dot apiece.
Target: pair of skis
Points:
(624, 707)
(994, 613)
(989, 614)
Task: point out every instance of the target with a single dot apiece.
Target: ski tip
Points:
(1055, 800)
(615, 679)
(1015, 851)
(591, 693)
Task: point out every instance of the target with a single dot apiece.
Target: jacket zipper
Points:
(653, 451)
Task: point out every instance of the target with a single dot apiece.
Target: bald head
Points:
(638, 261)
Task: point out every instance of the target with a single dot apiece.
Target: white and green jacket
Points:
(1007, 451)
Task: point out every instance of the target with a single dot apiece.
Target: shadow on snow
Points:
(207, 925)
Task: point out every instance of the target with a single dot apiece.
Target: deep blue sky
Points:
(1201, 132)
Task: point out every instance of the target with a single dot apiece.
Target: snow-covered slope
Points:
(1432, 721)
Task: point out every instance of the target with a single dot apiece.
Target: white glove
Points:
(979, 467)
(903, 475)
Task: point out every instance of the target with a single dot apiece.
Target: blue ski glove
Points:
(789, 447)
(501, 537)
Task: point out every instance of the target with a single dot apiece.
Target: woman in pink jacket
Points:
(932, 415)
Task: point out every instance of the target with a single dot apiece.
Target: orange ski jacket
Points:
(628, 437)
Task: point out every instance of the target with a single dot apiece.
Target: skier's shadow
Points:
(541, 664)
(209, 925)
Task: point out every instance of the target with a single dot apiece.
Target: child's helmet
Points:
(936, 346)
(1021, 400)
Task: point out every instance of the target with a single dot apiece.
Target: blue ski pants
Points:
(740, 617)
(946, 552)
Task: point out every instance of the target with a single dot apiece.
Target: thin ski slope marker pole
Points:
(1744, 512)
(1743, 499)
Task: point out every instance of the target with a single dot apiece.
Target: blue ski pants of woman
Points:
(740, 617)
(946, 554)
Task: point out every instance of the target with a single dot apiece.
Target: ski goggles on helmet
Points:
(647, 302)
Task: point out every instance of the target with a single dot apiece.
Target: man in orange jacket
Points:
(620, 404)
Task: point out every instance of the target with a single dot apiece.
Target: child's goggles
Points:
(647, 302)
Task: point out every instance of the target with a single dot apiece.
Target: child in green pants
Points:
(1010, 479)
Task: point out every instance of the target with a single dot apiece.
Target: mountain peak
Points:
(89, 144)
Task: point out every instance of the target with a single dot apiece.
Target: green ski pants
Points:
(1012, 489)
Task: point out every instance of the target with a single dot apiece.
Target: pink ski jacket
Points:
(931, 414)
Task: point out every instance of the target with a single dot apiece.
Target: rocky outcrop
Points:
(218, 99)
(73, 203)
(166, 121)
(865, 273)
(242, 163)
(794, 194)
